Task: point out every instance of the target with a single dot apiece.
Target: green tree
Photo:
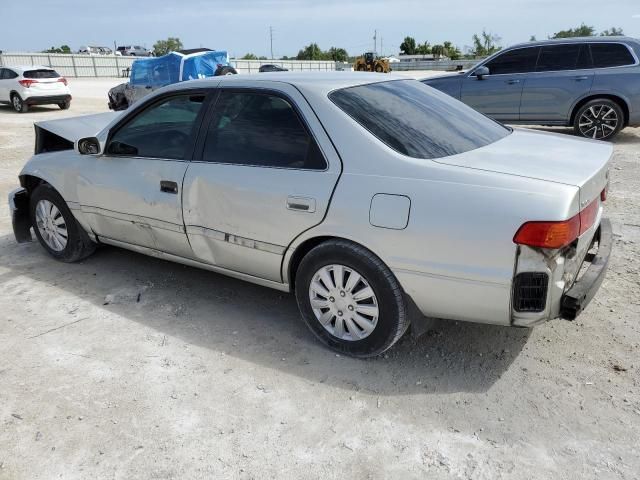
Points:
(533, 38)
(423, 49)
(451, 51)
(408, 46)
(337, 54)
(250, 56)
(171, 44)
(437, 50)
(614, 32)
(310, 52)
(485, 44)
(581, 31)
(60, 49)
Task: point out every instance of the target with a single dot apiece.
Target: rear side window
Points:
(163, 130)
(522, 60)
(416, 120)
(563, 57)
(41, 73)
(611, 55)
(261, 130)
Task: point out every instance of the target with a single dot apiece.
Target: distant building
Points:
(421, 58)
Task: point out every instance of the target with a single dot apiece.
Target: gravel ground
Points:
(125, 366)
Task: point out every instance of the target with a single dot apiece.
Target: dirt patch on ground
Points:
(124, 366)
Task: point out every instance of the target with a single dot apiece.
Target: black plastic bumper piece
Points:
(576, 299)
(19, 207)
(47, 100)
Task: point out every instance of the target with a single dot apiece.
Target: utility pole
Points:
(271, 39)
(381, 48)
(375, 40)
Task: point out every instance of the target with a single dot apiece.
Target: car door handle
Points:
(512, 81)
(301, 204)
(168, 187)
(580, 79)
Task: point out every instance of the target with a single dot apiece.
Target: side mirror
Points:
(481, 72)
(89, 146)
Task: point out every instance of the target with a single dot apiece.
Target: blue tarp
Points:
(175, 67)
(202, 65)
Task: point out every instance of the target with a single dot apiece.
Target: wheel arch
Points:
(624, 105)
(297, 252)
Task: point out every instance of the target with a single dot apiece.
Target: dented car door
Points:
(132, 193)
(264, 173)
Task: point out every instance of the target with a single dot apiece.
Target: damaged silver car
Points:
(380, 202)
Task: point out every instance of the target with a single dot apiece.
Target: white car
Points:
(22, 87)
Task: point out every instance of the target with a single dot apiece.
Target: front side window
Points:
(259, 129)
(416, 120)
(607, 55)
(522, 60)
(163, 130)
(555, 58)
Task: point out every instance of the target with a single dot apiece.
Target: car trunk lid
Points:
(544, 156)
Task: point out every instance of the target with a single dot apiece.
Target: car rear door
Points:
(4, 85)
(498, 94)
(133, 192)
(563, 75)
(265, 173)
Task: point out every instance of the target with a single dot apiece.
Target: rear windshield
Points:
(417, 120)
(42, 73)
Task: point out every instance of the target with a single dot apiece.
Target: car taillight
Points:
(557, 234)
(27, 82)
(63, 80)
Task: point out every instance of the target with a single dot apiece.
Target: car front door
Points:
(563, 75)
(132, 193)
(498, 94)
(6, 77)
(265, 174)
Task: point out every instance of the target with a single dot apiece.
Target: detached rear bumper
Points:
(19, 209)
(575, 300)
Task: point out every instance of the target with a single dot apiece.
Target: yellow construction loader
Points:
(370, 62)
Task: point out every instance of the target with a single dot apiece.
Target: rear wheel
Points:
(226, 70)
(350, 299)
(18, 104)
(600, 119)
(56, 228)
(65, 105)
(379, 68)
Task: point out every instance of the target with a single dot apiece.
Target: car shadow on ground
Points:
(8, 109)
(626, 135)
(263, 326)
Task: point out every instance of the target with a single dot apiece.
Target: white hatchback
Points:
(22, 87)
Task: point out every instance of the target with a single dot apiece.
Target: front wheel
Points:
(350, 299)
(600, 119)
(65, 105)
(56, 228)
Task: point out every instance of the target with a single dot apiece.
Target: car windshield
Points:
(41, 73)
(416, 120)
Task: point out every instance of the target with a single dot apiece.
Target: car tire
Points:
(46, 203)
(600, 119)
(225, 70)
(379, 68)
(330, 315)
(65, 105)
(18, 104)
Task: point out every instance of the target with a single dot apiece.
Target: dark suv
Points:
(591, 84)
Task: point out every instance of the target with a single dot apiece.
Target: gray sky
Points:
(242, 26)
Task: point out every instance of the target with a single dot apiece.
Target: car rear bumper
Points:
(47, 100)
(575, 300)
(19, 210)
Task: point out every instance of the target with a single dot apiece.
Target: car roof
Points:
(24, 68)
(322, 82)
(615, 39)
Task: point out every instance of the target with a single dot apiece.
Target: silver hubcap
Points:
(343, 302)
(51, 225)
(16, 103)
(599, 121)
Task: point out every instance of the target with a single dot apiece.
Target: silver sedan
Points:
(380, 202)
